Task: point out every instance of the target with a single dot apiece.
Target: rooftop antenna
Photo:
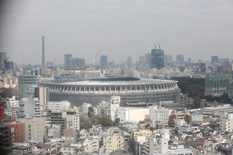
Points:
(155, 45)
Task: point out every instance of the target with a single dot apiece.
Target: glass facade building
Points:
(157, 58)
(27, 85)
(218, 83)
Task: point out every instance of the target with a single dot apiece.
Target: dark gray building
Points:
(214, 59)
(103, 60)
(157, 58)
(9, 64)
(129, 61)
(167, 60)
(70, 62)
(2, 58)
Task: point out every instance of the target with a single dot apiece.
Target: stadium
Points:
(131, 90)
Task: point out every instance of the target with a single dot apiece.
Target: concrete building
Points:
(148, 59)
(7, 81)
(179, 115)
(42, 93)
(70, 134)
(58, 106)
(84, 108)
(159, 114)
(29, 108)
(132, 114)
(10, 113)
(12, 103)
(113, 142)
(110, 109)
(73, 120)
(58, 117)
(35, 129)
(27, 85)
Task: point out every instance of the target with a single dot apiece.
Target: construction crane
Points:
(75, 65)
(40, 64)
(53, 68)
(86, 71)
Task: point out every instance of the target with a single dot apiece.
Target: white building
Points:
(72, 119)
(110, 109)
(29, 108)
(12, 103)
(10, 113)
(226, 124)
(58, 105)
(84, 108)
(132, 114)
(35, 129)
(42, 93)
(159, 114)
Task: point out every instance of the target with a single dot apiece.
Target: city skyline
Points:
(118, 29)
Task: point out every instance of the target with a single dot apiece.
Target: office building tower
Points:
(148, 59)
(214, 87)
(42, 93)
(103, 60)
(167, 60)
(129, 61)
(67, 57)
(2, 58)
(70, 62)
(222, 60)
(157, 58)
(180, 58)
(8, 64)
(27, 85)
(29, 108)
(189, 60)
(214, 59)
(141, 60)
(43, 52)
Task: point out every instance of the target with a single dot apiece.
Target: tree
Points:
(225, 98)
(106, 121)
(117, 121)
(90, 110)
(197, 101)
(215, 104)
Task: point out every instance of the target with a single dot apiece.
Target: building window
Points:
(29, 126)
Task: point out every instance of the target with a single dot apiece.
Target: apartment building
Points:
(29, 108)
(159, 114)
(35, 129)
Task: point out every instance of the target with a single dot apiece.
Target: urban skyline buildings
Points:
(157, 58)
(103, 60)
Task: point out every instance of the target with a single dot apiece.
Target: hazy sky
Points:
(116, 28)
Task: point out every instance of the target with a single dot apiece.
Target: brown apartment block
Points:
(183, 115)
(19, 131)
(11, 132)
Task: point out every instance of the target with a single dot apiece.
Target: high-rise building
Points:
(2, 58)
(67, 57)
(214, 59)
(157, 58)
(70, 62)
(214, 87)
(8, 64)
(129, 61)
(141, 60)
(148, 59)
(180, 58)
(103, 60)
(42, 93)
(27, 85)
(189, 60)
(167, 60)
(50, 64)
(43, 52)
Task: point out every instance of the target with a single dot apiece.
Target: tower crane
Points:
(87, 70)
